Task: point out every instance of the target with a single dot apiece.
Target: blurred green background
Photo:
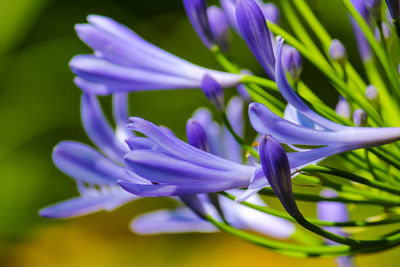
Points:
(39, 106)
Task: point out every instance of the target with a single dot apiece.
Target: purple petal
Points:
(197, 13)
(162, 168)
(159, 190)
(219, 27)
(265, 121)
(292, 98)
(255, 32)
(85, 164)
(180, 220)
(99, 130)
(84, 205)
(196, 135)
(121, 114)
(233, 151)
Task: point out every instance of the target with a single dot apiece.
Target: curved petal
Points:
(163, 190)
(121, 114)
(83, 205)
(265, 121)
(255, 32)
(233, 151)
(292, 98)
(178, 148)
(85, 164)
(212, 129)
(162, 168)
(99, 130)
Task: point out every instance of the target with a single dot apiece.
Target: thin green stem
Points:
(383, 219)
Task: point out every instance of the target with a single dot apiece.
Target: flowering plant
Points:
(218, 176)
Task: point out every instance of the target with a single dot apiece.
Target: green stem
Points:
(284, 215)
(352, 177)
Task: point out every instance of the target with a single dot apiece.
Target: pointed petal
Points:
(85, 164)
(265, 121)
(82, 205)
(255, 32)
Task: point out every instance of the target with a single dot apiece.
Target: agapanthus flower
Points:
(173, 167)
(124, 62)
(184, 220)
(95, 173)
(334, 138)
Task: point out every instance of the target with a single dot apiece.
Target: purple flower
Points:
(213, 91)
(343, 108)
(255, 32)
(219, 27)
(173, 167)
(271, 12)
(337, 51)
(360, 118)
(124, 62)
(276, 167)
(292, 62)
(196, 135)
(197, 13)
(96, 174)
(334, 137)
(372, 93)
(386, 33)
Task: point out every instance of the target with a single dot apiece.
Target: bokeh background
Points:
(39, 106)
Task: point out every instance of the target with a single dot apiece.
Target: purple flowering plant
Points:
(219, 177)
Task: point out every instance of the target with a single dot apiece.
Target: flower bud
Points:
(197, 13)
(276, 168)
(372, 94)
(360, 118)
(213, 91)
(196, 135)
(337, 51)
(254, 30)
(271, 12)
(292, 61)
(219, 27)
(343, 108)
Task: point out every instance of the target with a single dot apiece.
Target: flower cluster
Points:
(218, 176)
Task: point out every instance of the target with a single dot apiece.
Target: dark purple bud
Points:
(213, 91)
(219, 27)
(393, 6)
(360, 118)
(196, 135)
(292, 62)
(275, 165)
(254, 30)
(343, 108)
(386, 33)
(337, 51)
(197, 13)
(271, 13)
(372, 94)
